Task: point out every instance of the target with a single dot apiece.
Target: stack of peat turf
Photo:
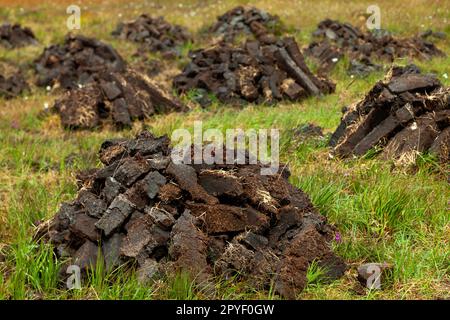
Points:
(252, 72)
(406, 114)
(207, 220)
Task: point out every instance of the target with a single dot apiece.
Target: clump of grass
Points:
(35, 271)
(315, 274)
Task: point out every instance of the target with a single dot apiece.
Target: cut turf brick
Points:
(115, 215)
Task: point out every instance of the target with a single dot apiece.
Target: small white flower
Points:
(335, 60)
(48, 88)
(45, 105)
(445, 75)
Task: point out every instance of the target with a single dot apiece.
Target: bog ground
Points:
(384, 212)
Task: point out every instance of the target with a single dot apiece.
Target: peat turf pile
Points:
(15, 36)
(12, 82)
(118, 98)
(155, 34)
(203, 219)
(336, 38)
(75, 62)
(252, 72)
(405, 114)
(247, 21)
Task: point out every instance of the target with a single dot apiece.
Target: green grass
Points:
(384, 213)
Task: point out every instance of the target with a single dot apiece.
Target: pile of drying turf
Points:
(155, 34)
(247, 21)
(208, 220)
(14, 36)
(252, 72)
(405, 114)
(118, 98)
(336, 39)
(12, 86)
(76, 62)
